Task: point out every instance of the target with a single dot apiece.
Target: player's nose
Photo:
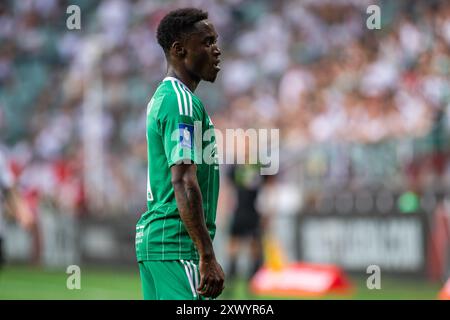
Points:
(216, 51)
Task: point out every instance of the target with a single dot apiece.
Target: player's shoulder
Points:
(173, 99)
(162, 101)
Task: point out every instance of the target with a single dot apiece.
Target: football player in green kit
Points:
(174, 236)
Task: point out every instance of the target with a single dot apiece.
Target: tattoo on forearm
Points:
(191, 211)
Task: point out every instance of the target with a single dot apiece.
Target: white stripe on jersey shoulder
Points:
(189, 95)
(180, 107)
(185, 91)
(179, 81)
(190, 102)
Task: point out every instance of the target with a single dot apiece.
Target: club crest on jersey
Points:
(186, 135)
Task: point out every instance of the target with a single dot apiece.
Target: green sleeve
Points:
(181, 135)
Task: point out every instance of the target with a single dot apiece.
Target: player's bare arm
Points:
(189, 202)
(17, 207)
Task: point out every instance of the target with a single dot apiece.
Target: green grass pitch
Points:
(22, 282)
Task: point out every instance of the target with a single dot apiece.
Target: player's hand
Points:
(212, 278)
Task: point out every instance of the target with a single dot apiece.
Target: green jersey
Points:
(178, 129)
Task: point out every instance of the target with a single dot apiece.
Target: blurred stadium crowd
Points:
(310, 68)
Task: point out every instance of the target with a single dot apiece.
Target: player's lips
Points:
(216, 65)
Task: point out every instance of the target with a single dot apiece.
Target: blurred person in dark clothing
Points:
(246, 222)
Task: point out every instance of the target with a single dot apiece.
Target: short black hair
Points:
(177, 24)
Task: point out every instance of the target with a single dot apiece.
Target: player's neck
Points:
(184, 77)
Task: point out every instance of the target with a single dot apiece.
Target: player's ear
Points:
(178, 49)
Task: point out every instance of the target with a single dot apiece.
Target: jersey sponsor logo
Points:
(186, 133)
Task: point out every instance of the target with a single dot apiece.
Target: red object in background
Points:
(438, 244)
(68, 173)
(439, 162)
(16, 168)
(301, 279)
(445, 292)
(410, 80)
(32, 197)
(62, 170)
(30, 194)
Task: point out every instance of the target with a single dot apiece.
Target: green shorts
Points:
(170, 280)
